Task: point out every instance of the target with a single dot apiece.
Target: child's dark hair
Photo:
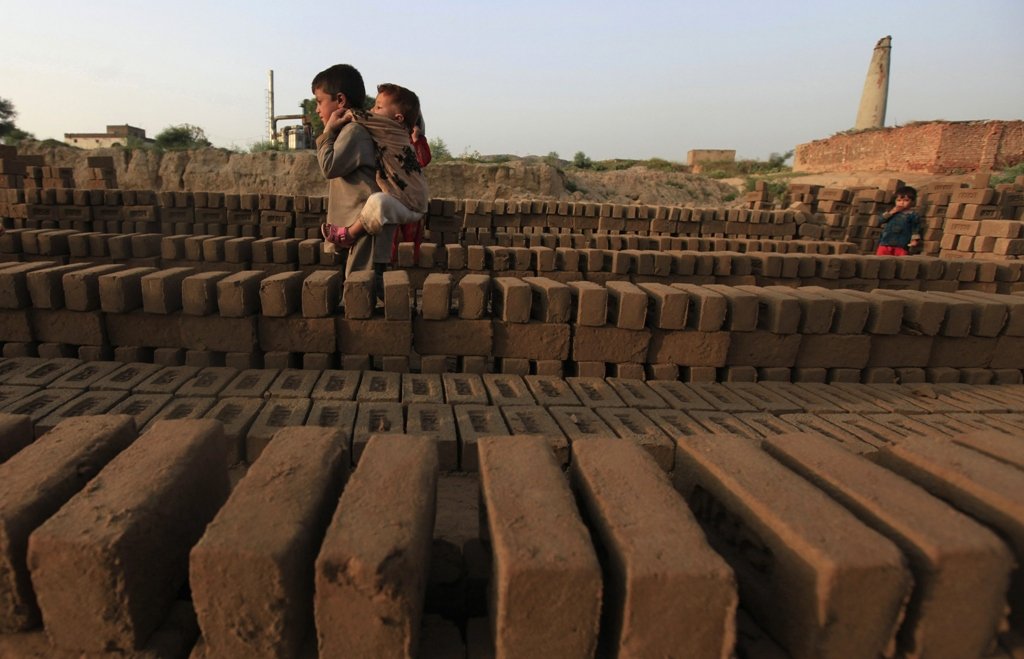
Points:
(907, 191)
(342, 79)
(407, 101)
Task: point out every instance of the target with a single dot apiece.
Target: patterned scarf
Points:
(398, 172)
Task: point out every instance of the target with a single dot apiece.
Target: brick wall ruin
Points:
(938, 147)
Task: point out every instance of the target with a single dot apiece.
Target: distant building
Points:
(115, 136)
(696, 156)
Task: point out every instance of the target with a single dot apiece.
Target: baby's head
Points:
(398, 103)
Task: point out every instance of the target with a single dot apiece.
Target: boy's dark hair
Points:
(342, 79)
(407, 101)
(907, 191)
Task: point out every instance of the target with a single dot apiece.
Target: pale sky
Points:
(635, 79)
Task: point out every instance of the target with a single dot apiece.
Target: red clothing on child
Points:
(412, 233)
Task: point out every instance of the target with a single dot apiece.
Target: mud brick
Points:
(38, 404)
(39, 373)
(533, 340)
(14, 290)
(320, 294)
(83, 376)
(126, 378)
(236, 415)
(993, 440)
(630, 424)
(580, 422)
(834, 351)
(851, 313)
(280, 294)
(762, 398)
(166, 380)
(374, 418)
(15, 327)
(380, 388)
(186, 408)
(68, 327)
(975, 483)
(238, 294)
(680, 396)
(475, 422)
(708, 308)
(763, 349)
(900, 350)
(45, 287)
(436, 421)
(293, 384)
(921, 314)
(472, 293)
(722, 478)
(688, 348)
(635, 393)
(252, 383)
(888, 397)
(668, 307)
(571, 630)
(199, 293)
(842, 397)
(186, 481)
(511, 300)
(963, 352)
(121, 291)
(508, 390)
(594, 392)
(397, 484)
(453, 337)
(422, 388)
(627, 305)
(653, 573)
(512, 365)
(779, 312)
(551, 300)
(941, 543)
(376, 337)
(535, 420)
(437, 293)
(850, 438)
(610, 344)
(276, 414)
(15, 431)
(297, 334)
(161, 290)
(805, 397)
(988, 316)
(464, 388)
(172, 248)
(336, 385)
(549, 391)
(590, 302)
(226, 601)
(209, 382)
(219, 333)
(36, 482)
(238, 250)
(358, 296)
(143, 330)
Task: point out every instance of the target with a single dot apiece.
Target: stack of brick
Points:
(983, 223)
(102, 174)
(12, 184)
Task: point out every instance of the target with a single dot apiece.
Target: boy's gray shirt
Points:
(348, 159)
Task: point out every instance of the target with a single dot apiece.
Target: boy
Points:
(901, 227)
(404, 195)
(348, 159)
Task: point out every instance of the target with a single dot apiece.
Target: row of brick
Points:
(850, 559)
(251, 315)
(456, 409)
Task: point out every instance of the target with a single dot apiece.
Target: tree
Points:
(581, 160)
(9, 133)
(182, 136)
(309, 112)
(438, 149)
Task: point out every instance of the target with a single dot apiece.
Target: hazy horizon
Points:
(648, 79)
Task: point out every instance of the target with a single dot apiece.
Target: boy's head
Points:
(908, 193)
(398, 103)
(340, 86)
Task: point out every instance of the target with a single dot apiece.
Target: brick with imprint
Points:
(134, 565)
(436, 421)
(375, 418)
(475, 421)
(804, 565)
(267, 616)
(944, 547)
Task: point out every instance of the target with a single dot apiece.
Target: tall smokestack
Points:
(270, 105)
(871, 113)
